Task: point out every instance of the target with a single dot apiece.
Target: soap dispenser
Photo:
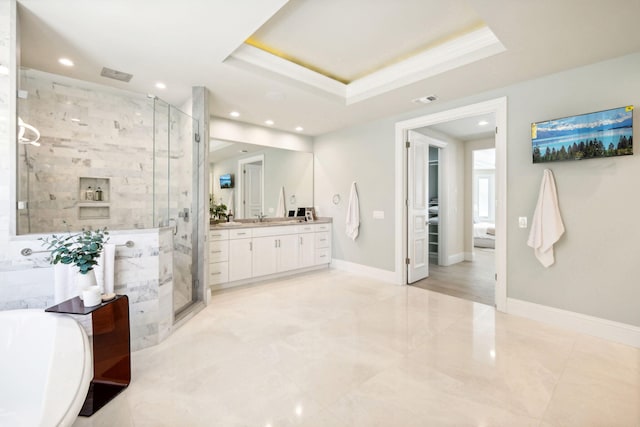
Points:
(230, 217)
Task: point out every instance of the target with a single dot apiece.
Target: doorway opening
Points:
(454, 205)
(251, 187)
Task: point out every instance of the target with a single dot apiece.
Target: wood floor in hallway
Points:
(471, 280)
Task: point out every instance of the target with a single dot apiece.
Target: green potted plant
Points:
(217, 211)
(80, 249)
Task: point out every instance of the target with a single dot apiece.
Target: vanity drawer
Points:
(219, 251)
(322, 240)
(218, 235)
(323, 227)
(323, 256)
(241, 233)
(274, 230)
(218, 273)
(308, 228)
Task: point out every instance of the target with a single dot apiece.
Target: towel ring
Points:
(336, 199)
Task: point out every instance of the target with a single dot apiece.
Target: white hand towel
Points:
(353, 213)
(106, 268)
(64, 282)
(546, 226)
(281, 211)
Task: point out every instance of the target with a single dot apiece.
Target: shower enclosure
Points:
(110, 158)
(175, 195)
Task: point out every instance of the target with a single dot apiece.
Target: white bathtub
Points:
(46, 367)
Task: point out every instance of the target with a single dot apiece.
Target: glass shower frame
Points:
(176, 201)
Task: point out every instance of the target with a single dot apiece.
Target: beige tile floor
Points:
(334, 349)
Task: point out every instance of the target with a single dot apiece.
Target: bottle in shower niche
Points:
(88, 195)
(99, 195)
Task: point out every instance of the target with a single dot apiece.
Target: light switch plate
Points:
(378, 214)
(522, 222)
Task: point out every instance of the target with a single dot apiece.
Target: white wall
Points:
(364, 154)
(596, 270)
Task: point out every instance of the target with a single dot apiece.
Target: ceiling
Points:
(467, 129)
(223, 150)
(353, 60)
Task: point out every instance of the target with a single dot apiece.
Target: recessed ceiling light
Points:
(66, 62)
(299, 128)
(268, 122)
(483, 123)
(161, 85)
(234, 114)
(4, 70)
(75, 120)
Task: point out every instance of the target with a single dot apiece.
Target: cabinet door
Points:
(240, 259)
(287, 252)
(307, 249)
(264, 255)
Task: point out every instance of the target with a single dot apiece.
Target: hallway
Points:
(470, 280)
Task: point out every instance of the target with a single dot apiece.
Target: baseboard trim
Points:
(590, 325)
(469, 256)
(364, 270)
(454, 259)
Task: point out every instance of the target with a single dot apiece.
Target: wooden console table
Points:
(111, 348)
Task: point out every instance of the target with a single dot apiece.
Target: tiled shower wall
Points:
(143, 272)
(182, 160)
(87, 131)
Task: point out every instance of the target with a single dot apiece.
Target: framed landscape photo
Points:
(606, 133)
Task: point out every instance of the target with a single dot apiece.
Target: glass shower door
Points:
(177, 197)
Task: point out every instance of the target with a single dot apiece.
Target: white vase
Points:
(85, 281)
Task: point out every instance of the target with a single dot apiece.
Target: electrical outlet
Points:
(522, 222)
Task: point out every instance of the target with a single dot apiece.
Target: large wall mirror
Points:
(248, 179)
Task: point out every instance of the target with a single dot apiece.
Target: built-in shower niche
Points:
(94, 196)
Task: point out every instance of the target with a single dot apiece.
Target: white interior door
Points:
(417, 211)
(252, 191)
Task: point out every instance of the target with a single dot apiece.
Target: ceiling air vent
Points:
(116, 75)
(425, 99)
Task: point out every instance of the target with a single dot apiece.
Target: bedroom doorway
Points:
(460, 262)
(461, 215)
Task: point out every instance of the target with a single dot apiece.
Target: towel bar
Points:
(29, 251)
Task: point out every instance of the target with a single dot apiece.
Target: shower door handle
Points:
(175, 225)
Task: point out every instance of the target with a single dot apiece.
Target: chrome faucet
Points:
(261, 217)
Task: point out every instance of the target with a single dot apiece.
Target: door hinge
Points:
(408, 144)
(406, 202)
(496, 276)
(407, 261)
(197, 137)
(496, 130)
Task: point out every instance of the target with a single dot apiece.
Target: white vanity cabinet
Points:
(275, 250)
(323, 244)
(240, 254)
(218, 256)
(307, 245)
